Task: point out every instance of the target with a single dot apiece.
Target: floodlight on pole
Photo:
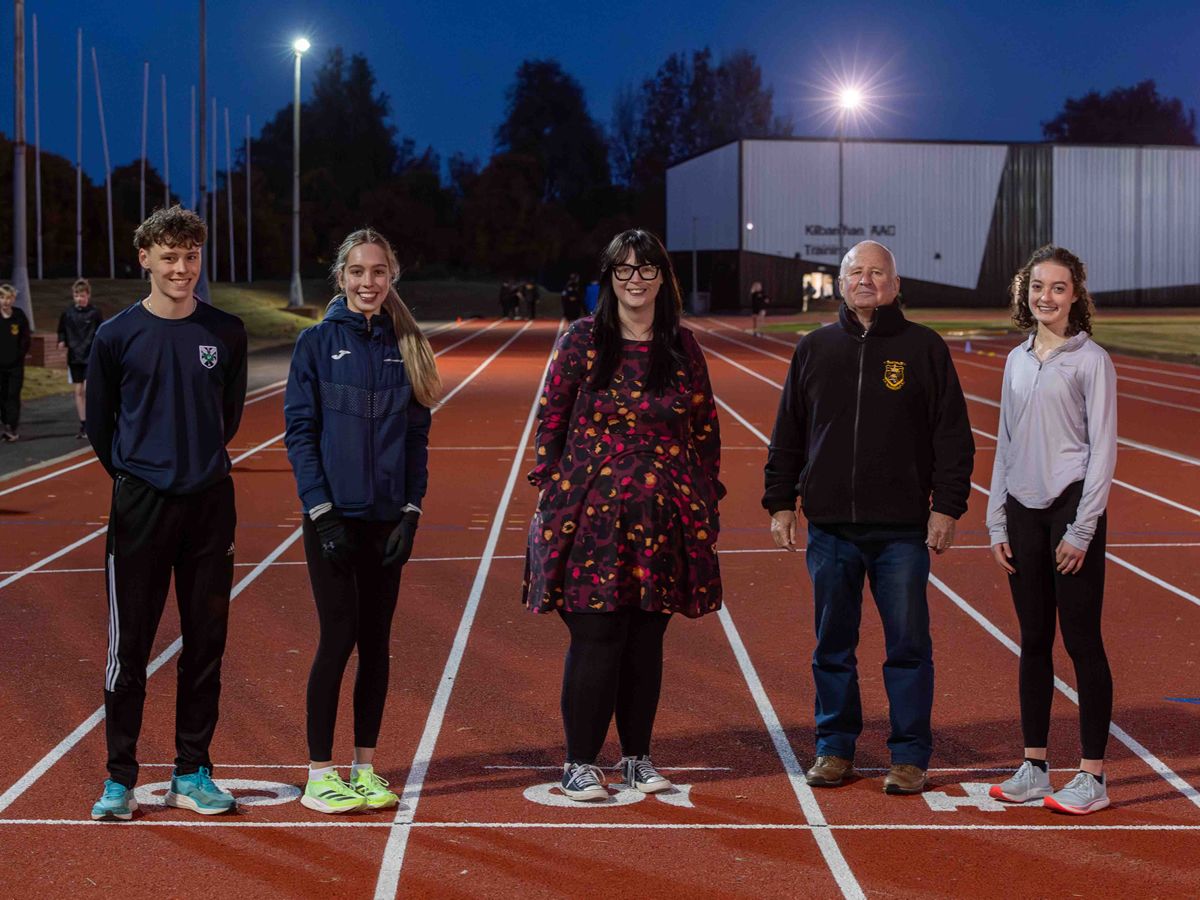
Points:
(296, 293)
(850, 99)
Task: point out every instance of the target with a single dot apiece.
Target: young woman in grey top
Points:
(1056, 450)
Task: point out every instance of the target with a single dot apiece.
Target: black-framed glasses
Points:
(625, 272)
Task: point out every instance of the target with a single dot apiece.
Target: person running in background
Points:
(759, 302)
(165, 391)
(628, 462)
(572, 297)
(76, 329)
(1056, 451)
(14, 346)
(358, 400)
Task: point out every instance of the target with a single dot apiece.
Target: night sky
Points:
(962, 71)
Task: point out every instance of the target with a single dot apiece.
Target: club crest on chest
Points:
(208, 356)
(893, 374)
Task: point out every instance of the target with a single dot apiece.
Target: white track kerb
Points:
(1157, 765)
(45, 763)
(393, 854)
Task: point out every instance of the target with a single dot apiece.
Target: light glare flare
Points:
(301, 45)
(850, 98)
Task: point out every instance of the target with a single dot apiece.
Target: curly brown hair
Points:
(1080, 317)
(171, 227)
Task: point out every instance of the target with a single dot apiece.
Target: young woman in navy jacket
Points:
(358, 408)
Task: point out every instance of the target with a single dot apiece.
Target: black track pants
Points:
(1040, 593)
(614, 663)
(355, 604)
(12, 378)
(151, 536)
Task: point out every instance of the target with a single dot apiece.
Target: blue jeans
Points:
(898, 571)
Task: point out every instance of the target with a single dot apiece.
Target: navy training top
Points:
(164, 396)
(356, 435)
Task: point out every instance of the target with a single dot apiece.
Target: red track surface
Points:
(472, 722)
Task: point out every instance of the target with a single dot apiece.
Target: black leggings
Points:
(614, 663)
(1039, 591)
(354, 608)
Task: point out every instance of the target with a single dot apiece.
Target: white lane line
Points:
(597, 826)
(46, 560)
(469, 337)
(388, 881)
(54, 474)
(99, 531)
(1138, 749)
(1167, 586)
(42, 766)
(838, 867)
(275, 393)
(1125, 484)
(44, 464)
(746, 344)
(1137, 445)
(1154, 579)
(1170, 454)
(483, 365)
(791, 345)
(738, 551)
(614, 768)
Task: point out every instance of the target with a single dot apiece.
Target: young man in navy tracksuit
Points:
(165, 390)
(359, 395)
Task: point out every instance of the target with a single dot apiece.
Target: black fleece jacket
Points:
(871, 426)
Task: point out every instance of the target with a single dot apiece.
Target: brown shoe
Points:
(829, 771)
(904, 779)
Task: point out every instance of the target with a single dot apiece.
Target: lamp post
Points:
(296, 294)
(849, 99)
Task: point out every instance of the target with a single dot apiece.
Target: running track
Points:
(472, 733)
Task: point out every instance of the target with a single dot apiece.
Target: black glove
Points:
(400, 541)
(335, 541)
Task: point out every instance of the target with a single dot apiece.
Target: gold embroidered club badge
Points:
(893, 374)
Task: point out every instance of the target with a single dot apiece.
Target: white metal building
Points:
(960, 217)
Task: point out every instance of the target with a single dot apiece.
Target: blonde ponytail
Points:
(415, 351)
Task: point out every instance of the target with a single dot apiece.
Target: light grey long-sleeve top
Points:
(1058, 425)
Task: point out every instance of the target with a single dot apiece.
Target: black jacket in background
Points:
(871, 425)
(15, 338)
(77, 329)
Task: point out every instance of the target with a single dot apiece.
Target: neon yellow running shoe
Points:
(373, 789)
(329, 794)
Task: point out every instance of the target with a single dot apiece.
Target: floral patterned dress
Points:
(628, 515)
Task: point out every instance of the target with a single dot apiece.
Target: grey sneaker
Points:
(581, 781)
(1082, 795)
(640, 774)
(1027, 783)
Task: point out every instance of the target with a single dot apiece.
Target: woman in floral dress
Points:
(628, 457)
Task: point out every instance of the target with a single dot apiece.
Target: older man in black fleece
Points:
(872, 442)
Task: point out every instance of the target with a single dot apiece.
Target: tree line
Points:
(558, 184)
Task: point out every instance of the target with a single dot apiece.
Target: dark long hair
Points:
(666, 352)
(1080, 317)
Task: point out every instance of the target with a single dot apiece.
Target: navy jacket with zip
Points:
(356, 437)
(872, 426)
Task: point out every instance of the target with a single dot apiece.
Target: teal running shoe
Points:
(115, 803)
(199, 793)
